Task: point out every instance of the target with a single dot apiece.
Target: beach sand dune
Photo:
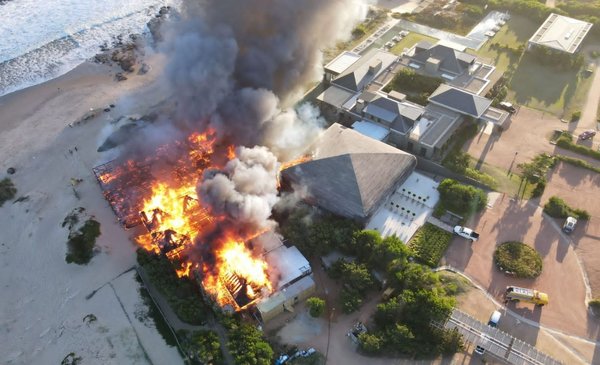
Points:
(44, 298)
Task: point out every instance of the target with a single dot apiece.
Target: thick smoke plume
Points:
(240, 65)
(246, 189)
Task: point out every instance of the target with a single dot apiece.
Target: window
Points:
(423, 151)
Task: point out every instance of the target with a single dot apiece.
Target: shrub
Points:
(351, 300)
(566, 141)
(80, 246)
(7, 190)
(316, 306)
(518, 258)
(578, 162)
(429, 244)
(575, 116)
(461, 199)
(539, 189)
(204, 347)
(370, 343)
(409, 81)
(595, 305)
(557, 208)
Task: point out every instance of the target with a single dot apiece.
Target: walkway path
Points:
(438, 223)
(588, 115)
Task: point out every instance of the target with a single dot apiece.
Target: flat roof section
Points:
(561, 33)
(335, 96)
(342, 62)
(371, 129)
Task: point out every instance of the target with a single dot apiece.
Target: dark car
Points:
(507, 106)
(587, 135)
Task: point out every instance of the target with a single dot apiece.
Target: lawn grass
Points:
(505, 183)
(534, 85)
(516, 32)
(410, 40)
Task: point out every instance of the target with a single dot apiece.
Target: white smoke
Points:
(246, 189)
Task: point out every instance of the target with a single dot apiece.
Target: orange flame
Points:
(174, 218)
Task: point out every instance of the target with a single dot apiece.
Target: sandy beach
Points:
(44, 300)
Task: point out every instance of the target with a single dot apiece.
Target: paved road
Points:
(562, 277)
(588, 115)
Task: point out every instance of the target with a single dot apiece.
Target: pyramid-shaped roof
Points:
(350, 174)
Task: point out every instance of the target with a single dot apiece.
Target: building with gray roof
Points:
(439, 57)
(460, 101)
(351, 174)
(561, 33)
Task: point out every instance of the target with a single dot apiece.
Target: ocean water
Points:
(43, 39)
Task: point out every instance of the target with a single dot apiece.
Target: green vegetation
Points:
(357, 281)
(429, 244)
(409, 81)
(595, 305)
(315, 234)
(575, 116)
(316, 306)
(577, 162)
(566, 141)
(202, 347)
(460, 162)
(557, 208)
(153, 312)
(460, 199)
(460, 20)
(518, 258)
(80, 246)
(247, 345)
(526, 80)
(558, 60)
(7, 190)
(71, 359)
(403, 321)
(534, 172)
(410, 40)
(181, 293)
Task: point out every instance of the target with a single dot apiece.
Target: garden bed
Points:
(429, 244)
(518, 259)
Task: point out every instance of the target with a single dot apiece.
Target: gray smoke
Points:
(245, 190)
(232, 63)
(239, 67)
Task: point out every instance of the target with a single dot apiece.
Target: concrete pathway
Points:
(588, 115)
(438, 223)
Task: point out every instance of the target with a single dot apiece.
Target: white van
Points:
(494, 319)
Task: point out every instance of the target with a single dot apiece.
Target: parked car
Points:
(587, 135)
(479, 350)
(467, 233)
(489, 33)
(403, 33)
(507, 106)
(569, 225)
(494, 319)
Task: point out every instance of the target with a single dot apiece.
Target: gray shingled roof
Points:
(357, 76)
(351, 174)
(450, 59)
(460, 101)
(401, 115)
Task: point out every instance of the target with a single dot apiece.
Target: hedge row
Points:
(566, 141)
(557, 208)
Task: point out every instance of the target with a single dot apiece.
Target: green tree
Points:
(357, 276)
(390, 249)
(388, 312)
(363, 243)
(316, 306)
(350, 299)
(370, 343)
(248, 347)
(400, 338)
(204, 346)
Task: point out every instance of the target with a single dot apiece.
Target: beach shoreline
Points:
(46, 298)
